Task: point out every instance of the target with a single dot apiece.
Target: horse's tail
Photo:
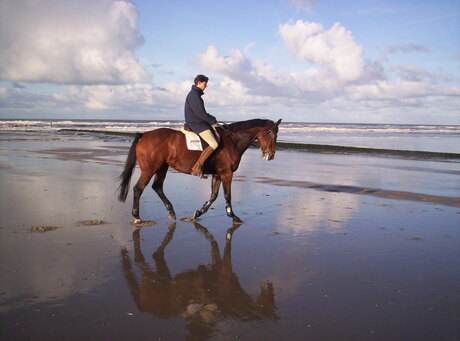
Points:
(125, 177)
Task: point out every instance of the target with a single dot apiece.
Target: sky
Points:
(369, 61)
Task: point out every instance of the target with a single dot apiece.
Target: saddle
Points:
(194, 141)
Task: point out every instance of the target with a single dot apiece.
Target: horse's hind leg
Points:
(158, 188)
(215, 184)
(143, 181)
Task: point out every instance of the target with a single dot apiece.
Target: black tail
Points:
(125, 177)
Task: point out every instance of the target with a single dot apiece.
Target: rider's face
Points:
(202, 85)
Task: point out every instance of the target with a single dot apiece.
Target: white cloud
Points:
(330, 80)
(19, 98)
(258, 77)
(233, 93)
(384, 90)
(333, 59)
(406, 48)
(334, 50)
(103, 97)
(304, 4)
(449, 91)
(236, 63)
(335, 77)
(70, 42)
(130, 98)
(146, 97)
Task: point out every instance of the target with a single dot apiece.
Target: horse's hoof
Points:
(137, 221)
(237, 220)
(196, 215)
(188, 220)
(172, 216)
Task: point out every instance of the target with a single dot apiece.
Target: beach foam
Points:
(434, 138)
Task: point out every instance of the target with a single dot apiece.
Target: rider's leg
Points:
(208, 136)
(210, 139)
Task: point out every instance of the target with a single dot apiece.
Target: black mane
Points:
(243, 125)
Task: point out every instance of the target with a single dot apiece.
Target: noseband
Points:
(270, 142)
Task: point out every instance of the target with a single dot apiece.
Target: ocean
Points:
(431, 138)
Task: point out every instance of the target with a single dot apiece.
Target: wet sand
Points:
(349, 247)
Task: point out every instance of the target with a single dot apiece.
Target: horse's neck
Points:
(244, 138)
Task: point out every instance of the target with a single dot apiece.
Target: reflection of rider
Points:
(202, 296)
(200, 121)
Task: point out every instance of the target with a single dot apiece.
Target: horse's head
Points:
(267, 140)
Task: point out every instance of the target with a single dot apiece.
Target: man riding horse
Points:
(157, 150)
(199, 121)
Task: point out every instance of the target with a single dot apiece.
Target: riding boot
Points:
(197, 169)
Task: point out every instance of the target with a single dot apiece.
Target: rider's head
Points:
(201, 81)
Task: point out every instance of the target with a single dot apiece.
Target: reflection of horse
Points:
(204, 296)
(157, 150)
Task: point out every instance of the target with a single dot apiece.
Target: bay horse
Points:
(157, 150)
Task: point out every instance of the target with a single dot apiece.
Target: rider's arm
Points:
(197, 105)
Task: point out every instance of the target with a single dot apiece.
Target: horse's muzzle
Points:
(268, 156)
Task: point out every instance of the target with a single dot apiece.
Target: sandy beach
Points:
(333, 247)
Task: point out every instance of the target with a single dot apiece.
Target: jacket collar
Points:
(194, 87)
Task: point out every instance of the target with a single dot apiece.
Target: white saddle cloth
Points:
(193, 140)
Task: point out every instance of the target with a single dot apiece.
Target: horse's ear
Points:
(278, 123)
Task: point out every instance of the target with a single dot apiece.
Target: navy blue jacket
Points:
(196, 116)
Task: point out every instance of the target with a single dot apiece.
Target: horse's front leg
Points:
(227, 184)
(215, 185)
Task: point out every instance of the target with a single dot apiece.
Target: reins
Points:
(225, 128)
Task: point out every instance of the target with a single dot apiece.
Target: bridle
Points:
(270, 144)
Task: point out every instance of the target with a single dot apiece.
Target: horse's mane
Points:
(244, 125)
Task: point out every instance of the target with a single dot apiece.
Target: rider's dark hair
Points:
(201, 78)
